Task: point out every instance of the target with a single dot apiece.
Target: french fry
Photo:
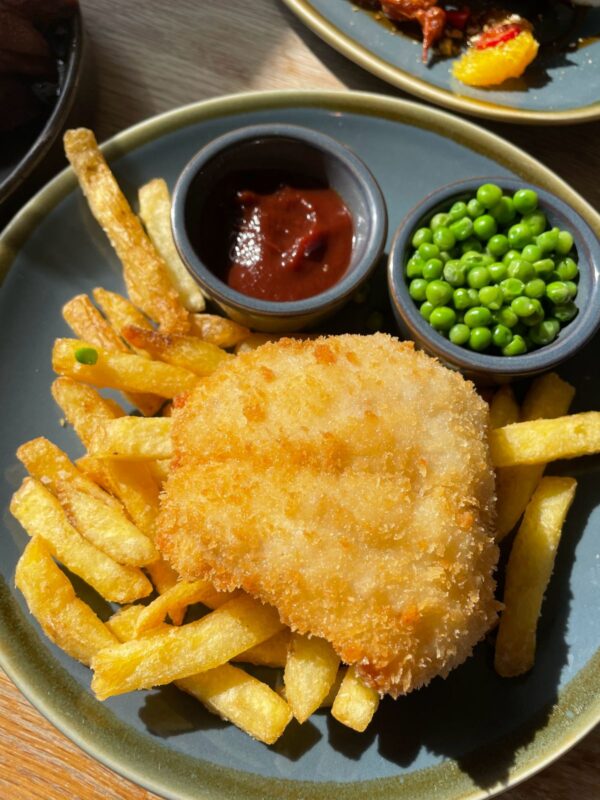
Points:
(128, 373)
(242, 699)
(163, 576)
(144, 270)
(40, 514)
(65, 619)
(270, 653)
(46, 462)
(183, 651)
(528, 571)
(355, 703)
(121, 312)
(83, 407)
(106, 527)
(188, 352)
(133, 438)
(543, 440)
(155, 212)
(176, 599)
(335, 687)
(123, 622)
(219, 331)
(87, 323)
(132, 483)
(160, 469)
(504, 409)
(310, 671)
(548, 397)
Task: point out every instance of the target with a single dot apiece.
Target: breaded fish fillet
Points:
(346, 481)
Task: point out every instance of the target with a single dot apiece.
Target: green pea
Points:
(462, 229)
(535, 288)
(548, 240)
(438, 221)
(516, 347)
(505, 316)
(498, 271)
(473, 297)
(504, 211)
(498, 245)
(442, 318)
(417, 289)
(475, 317)
(433, 269)
(461, 299)
(523, 307)
(564, 243)
(426, 309)
(525, 200)
(536, 222)
(572, 287)
(438, 293)
(489, 194)
(86, 355)
(531, 253)
(521, 269)
(478, 277)
(567, 269)
(544, 267)
(445, 256)
(457, 211)
(545, 332)
(473, 259)
(491, 297)
(414, 267)
(485, 227)
(519, 235)
(565, 313)
(501, 335)
(428, 250)
(474, 208)
(480, 339)
(510, 256)
(512, 288)
(444, 238)
(537, 316)
(459, 334)
(557, 292)
(421, 236)
(471, 245)
(454, 273)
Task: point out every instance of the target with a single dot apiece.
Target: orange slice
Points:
(494, 65)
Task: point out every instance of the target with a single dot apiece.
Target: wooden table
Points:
(153, 56)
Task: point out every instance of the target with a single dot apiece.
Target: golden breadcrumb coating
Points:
(345, 480)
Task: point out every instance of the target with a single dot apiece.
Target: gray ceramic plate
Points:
(467, 737)
(561, 86)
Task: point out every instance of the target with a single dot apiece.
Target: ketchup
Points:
(280, 240)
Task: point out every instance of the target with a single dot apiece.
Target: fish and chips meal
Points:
(496, 43)
(328, 507)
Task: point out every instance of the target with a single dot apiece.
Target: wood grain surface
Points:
(153, 56)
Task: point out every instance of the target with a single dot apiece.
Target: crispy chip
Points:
(270, 653)
(40, 513)
(144, 270)
(83, 407)
(528, 571)
(543, 440)
(355, 703)
(133, 438)
(176, 599)
(219, 331)
(183, 651)
(548, 397)
(189, 352)
(128, 373)
(65, 619)
(121, 312)
(155, 212)
(504, 409)
(310, 671)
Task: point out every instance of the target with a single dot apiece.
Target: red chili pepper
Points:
(458, 19)
(497, 35)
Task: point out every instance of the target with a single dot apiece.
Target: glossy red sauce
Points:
(276, 238)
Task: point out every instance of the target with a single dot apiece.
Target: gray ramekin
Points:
(483, 368)
(290, 148)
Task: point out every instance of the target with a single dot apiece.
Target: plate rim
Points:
(380, 106)
(396, 76)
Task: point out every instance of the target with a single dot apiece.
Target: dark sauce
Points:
(275, 235)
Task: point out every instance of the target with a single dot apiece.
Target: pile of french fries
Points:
(96, 517)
